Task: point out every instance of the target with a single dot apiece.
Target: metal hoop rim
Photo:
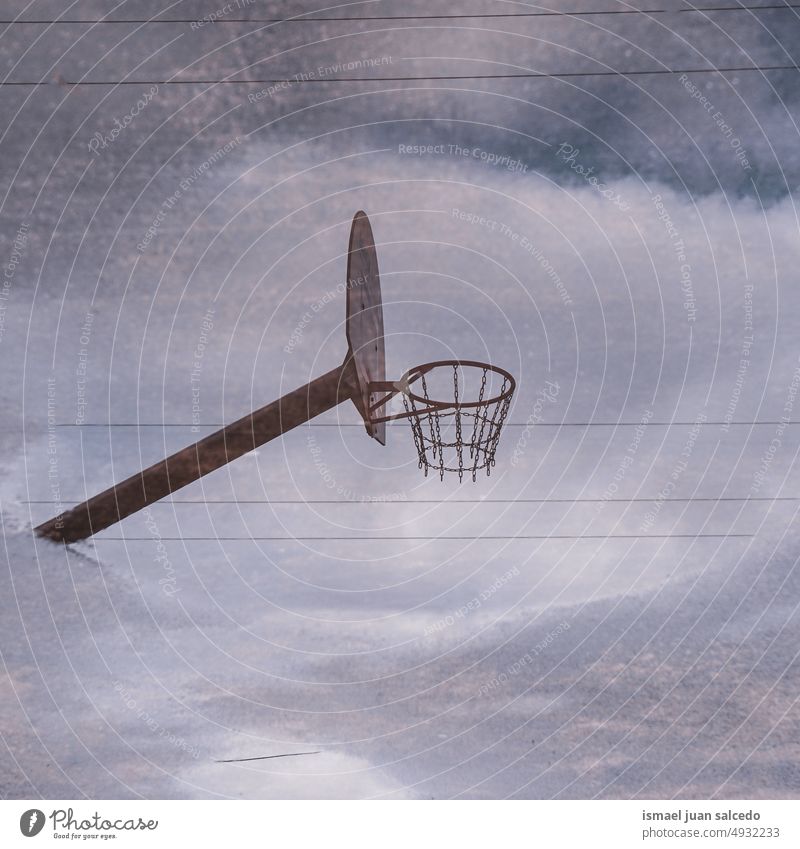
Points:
(420, 370)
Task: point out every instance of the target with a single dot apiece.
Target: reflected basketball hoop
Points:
(456, 413)
(456, 408)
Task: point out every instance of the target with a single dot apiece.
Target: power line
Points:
(507, 424)
(265, 757)
(300, 80)
(551, 13)
(427, 539)
(441, 501)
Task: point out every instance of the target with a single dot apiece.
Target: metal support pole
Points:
(207, 455)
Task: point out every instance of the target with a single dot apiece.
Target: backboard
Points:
(365, 319)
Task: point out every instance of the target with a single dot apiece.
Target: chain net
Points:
(459, 434)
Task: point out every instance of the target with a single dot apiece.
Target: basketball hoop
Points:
(456, 414)
(456, 410)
